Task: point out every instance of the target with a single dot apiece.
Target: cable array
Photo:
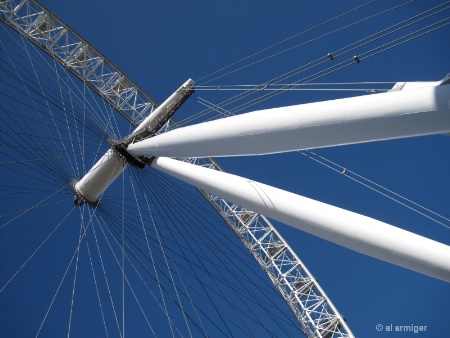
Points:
(152, 247)
(320, 67)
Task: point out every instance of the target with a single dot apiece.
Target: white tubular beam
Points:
(354, 231)
(396, 114)
(112, 164)
(165, 108)
(101, 175)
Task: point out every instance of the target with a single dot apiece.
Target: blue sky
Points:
(160, 44)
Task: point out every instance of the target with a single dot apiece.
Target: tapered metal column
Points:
(354, 231)
(395, 114)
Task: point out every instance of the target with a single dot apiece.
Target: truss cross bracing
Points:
(49, 33)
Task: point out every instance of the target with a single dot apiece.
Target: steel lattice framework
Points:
(313, 309)
(49, 33)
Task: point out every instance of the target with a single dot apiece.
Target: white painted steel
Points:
(111, 165)
(395, 114)
(162, 109)
(100, 177)
(354, 231)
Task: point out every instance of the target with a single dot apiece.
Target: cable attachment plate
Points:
(156, 120)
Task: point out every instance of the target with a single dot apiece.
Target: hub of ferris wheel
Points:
(89, 189)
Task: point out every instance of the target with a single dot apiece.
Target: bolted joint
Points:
(120, 147)
(78, 198)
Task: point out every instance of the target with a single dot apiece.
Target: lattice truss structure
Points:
(313, 309)
(49, 33)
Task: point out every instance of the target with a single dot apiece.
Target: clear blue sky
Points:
(160, 44)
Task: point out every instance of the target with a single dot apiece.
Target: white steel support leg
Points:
(354, 231)
(404, 112)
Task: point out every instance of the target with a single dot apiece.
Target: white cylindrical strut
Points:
(395, 114)
(101, 175)
(112, 164)
(165, 107)
(354, 231)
